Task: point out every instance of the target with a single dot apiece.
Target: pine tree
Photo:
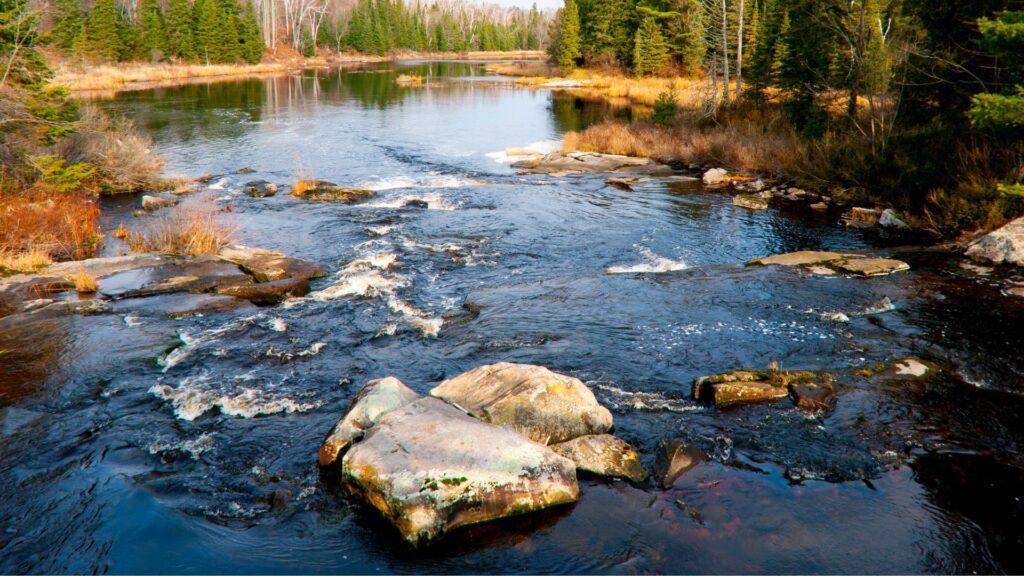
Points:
(67, 22)
(650, 53)
(206, 20)
(1003, 36)
(152, 30)
(250, 36)
(230, 49)
(569, 42)
(106, 31)
(179, 30)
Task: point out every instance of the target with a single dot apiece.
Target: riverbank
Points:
(141, 76)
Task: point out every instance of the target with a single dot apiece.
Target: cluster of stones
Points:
(496, 441)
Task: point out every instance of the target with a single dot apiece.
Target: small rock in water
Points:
(267, 266)
(817, 395)
(319, 190)
(675, 458)
(603, 455)
(911, 367)
(819, 207)
(839, 317)
(375, 400)
(544, 406)
(872, 266)
(889, 219)
(750, 201)
(156, 202)
(245, 170)
(715, 176)
(260, 189)
(745, 386)
(803, 258)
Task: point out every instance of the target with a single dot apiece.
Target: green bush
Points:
(666, 108)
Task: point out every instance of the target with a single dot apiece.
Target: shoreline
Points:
(131, 76)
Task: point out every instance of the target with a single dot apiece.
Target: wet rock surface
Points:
(673, 459)
(268, 292)
(563, 164)
(544, 406)
(372, 402)
(429, 468)
(603, 455)
(260, 189)
(268, 266)
(321, 191)
(157, 202)
(830, 263)
(1003, 246)
(814, 395)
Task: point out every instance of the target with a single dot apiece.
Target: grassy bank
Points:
(79, 77)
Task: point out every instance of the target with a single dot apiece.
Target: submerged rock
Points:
(803, 258)
(603, 455)
(673, 459)
(1004, 246)
(562, 164)
(267, 292)
(739, 387)
(268, 266)
(430, 468)
(375, 400)
(911, 367)
(319, 190)
(871, 266)
(751, 201)
(625, 184)
(813, 395)
(260, 189)
(544, 406)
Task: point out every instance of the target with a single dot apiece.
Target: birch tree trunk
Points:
(725, 51)
(739, 51)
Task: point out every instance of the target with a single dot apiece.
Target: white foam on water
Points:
(190, 343)
(382, 230)
(221, 184)
(644, 401)
(430, 182)
(313, 350)
(429, 326)
(195, 448)
(277, 325)
(191, 399)
(131, 320)
(652, 264)
(433, 202)
(881, 307)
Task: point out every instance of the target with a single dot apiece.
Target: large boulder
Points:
(536, 402)
(562, 164)
(1004, 246)
(603, 455)
(375, 400)
(268, 266)
(430, 468)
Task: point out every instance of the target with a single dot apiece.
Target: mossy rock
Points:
(321, 191)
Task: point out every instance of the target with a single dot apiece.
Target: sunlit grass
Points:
(196, 228)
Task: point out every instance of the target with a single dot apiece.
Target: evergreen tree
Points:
(206, 22)
(230, 38)
(251, 38)
(106, 31)
(68, 19)
(1004, 36)
(179, 30)
(152, 30)
(20, 62)
(650, 53)
(569, 42)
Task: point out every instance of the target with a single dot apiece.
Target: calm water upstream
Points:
(136, 443)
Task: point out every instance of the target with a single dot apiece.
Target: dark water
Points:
(135, 443)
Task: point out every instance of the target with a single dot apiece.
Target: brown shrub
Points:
(61, 226)
(122, 156)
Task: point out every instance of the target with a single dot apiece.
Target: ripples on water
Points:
(133, 442)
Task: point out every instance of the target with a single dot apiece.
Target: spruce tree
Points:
(230, 24)
(151, 30)
(650, 53)
(1003, 36)
(179, 30)
(250, 36)
(569, 42)
(206, 18)
(106, 31)
(67, 22)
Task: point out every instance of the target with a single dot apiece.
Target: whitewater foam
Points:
(652, 264)
(543, 148)
(430, 182)
(190, 400)
(431, 201)
(644, 401)
(194, 448)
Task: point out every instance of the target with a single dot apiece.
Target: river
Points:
(132, 442)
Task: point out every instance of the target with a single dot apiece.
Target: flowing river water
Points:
(132, 442)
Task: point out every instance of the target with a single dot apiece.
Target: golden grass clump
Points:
(24, 262)
(50, 224)
(192, 229)
(119, 76)
(84, 282)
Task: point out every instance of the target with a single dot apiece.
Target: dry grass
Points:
(119, 152)
(84, 282)
(122, 76)
(195, 228)
(24, 262)
(743, 146)
(61, 226)
(523, 69)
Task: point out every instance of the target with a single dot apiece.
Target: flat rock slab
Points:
(559, 163)
(871, 266)
(267, 292)
(803, 258)
(372, 402)
(544, 406)
(750, 201)
(673, 459)
(430, 468)
(603, 455)
(193, 275)
(1004, 246)
(268, 266)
